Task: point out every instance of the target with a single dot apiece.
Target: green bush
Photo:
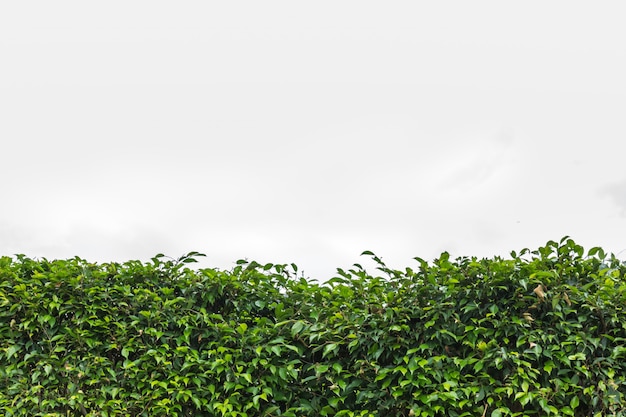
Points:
(541, 333)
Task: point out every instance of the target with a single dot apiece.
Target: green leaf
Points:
(334, 402)
(297, 328)
(292, 347)
(12, 350)
(196, 402)
(320, 369)
(337, 367)
(544, 405)
(549, 365)
(329, 348)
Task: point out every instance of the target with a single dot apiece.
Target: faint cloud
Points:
(92, 242)
(475, 162)
(617, 193)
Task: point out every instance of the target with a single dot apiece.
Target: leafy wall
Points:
(541, 333)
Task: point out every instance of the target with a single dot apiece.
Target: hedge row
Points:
(541, 333)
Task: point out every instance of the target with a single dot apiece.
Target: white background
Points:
(308, 132)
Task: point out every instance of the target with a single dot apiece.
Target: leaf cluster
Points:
(541, 333)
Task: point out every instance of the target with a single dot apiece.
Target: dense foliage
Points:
(541, 333)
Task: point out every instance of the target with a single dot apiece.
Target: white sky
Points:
(285, 131)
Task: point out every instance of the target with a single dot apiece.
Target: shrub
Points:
(541, 333)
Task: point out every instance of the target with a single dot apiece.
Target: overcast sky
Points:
(308, 132)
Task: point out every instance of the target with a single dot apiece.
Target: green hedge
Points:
(540, 333)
